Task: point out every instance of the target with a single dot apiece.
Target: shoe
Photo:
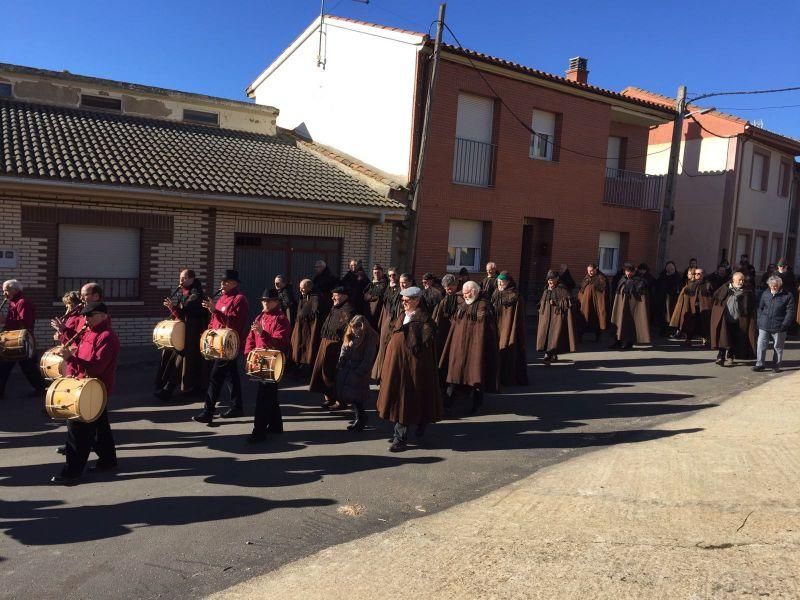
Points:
(555, 357)
(100, 467)
(616, 344)
(398, 446)
(336, 406)
(357, 426)
(776, 369)
(204, 417)
(256, 438)
(66, 480)
(720, 362)
(758, 368)
(163, 394)
(61, 450)
(232, 413)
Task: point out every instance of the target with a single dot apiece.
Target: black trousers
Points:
(220, 371)
(85, 437)
(268, 417)
(29, 368)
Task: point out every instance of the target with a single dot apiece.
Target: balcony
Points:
(634, 190)
(473, 163)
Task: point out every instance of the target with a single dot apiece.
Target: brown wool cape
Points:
(392, 308)
(741, 336)
(630, 311)
(593, 300)
(690, 318)
(442, 315)
(512, 361)
(323, 377)
(373, 301)
(556, 330)
(470, 352)
(410, 392)
(305, 335)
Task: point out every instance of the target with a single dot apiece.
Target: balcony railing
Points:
(473, 163)
(113, 288)
(634, 190)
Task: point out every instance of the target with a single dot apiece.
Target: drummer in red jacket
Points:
(270, 330)
(230, 311)
(96, 356)
(20, 315)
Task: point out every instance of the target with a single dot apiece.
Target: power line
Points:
(746, 92)
(757, 107)
(541, 136)
(700, 125)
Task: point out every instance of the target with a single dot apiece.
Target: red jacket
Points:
(276, 335)
(96, 355)
(231, 311)
(21, 314)
(72, 325)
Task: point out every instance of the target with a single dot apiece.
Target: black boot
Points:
(477, 401)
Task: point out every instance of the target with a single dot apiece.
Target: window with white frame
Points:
(464, 245)
(544, 137)
(608, 261)
(106, 255)
(759, 174)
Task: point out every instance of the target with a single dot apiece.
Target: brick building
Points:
(127, 185)
(573, 192)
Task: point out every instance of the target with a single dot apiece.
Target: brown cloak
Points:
(692, 314)
(410, 391)
(740, 336)
(323, 377)
(392, 307)
(630, 311)
(512, 360)
(373, 301)
(305, 335)
(556, 330)
(593, 299)
(470, 352)
(442, 316)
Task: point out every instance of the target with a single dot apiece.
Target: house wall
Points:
(361, 101)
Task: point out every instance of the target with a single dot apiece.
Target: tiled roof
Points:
(92, 147)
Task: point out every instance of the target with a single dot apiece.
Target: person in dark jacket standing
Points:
(286, 297)
(733, 321)
(776, 309)
(322, 285)
(667, 290)
(359, 347)
(323, 375)
(629, 313)
(374, 296)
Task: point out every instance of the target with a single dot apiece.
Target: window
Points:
(615, 153)
(107, 255)
(760, 251)
(776, 248)
(200, 116)
(742, 244)
(759, 174)
(544, 137)
(784, 177)
(473, 163)
(609, 252)
(101, 102)
(5, 90)
(464, 245)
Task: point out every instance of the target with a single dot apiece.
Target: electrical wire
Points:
(529, 129)
(747, 92)
(700, 125)
(758, 107)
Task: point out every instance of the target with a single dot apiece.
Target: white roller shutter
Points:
(614, 152)
(465, 234)
(474, 121)
(87, 251)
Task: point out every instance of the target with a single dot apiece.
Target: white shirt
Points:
(408, 316)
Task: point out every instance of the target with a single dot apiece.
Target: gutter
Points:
(378, 213)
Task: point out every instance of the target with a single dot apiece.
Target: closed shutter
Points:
(465, 234)
(474, 120)
(98, 252)
(614, 152)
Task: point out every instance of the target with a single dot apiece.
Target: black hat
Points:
(231, 275)
(339, 290)
(552, 275)
(270, 294)
(463, 271)
(94, 307)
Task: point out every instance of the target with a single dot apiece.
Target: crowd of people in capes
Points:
(452, 339)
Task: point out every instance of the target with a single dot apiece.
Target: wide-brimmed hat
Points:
(231, 275)
(270, 294)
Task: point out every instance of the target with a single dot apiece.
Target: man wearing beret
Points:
(96, 357)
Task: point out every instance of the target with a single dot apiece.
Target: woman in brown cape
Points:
(392, 307)
(409, 393)
(323, 377)
(509, 309)
(630, 310)
(692, 314)
(443, 313)
(470, 352)
(305, 334)
(593, 300)
(373, 296)
(734, 328)
(556, 330)
(359, 346)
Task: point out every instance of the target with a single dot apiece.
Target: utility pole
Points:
(426, 125)
(668, 212)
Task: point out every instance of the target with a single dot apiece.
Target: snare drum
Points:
(51, 365)
(219, 344)
(16, 345)
(76, 399)
(170, 334)
(265, 365)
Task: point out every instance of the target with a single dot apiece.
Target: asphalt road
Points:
(194, 510)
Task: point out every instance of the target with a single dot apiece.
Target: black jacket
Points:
(775, 313)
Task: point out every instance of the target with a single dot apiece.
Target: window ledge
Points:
(112, 303)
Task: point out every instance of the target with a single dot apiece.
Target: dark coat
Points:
(593, 299)
(392, 308)
(430, 298)
(373, 301)
(442, 316)
(667, 290)
(775, 313)
(410, 392)
(512, 359)
(470, 352)
(556, 329)
(322, 285)
(354, 369)
(630, 311)
(739, 336)
(187, 305)
(692, 314)
(288, 303)
(323, 376)
(305, 334)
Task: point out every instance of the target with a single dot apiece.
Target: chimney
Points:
(577, 69)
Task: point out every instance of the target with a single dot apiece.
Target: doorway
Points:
(536, 259)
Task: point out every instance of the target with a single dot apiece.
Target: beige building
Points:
(127, 184)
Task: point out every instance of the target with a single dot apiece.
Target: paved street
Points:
(194, 510)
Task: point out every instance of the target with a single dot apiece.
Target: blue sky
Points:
(218, 48)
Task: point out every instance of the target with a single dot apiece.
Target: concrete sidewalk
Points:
(709, 514)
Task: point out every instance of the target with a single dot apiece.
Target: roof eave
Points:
(775, 140)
